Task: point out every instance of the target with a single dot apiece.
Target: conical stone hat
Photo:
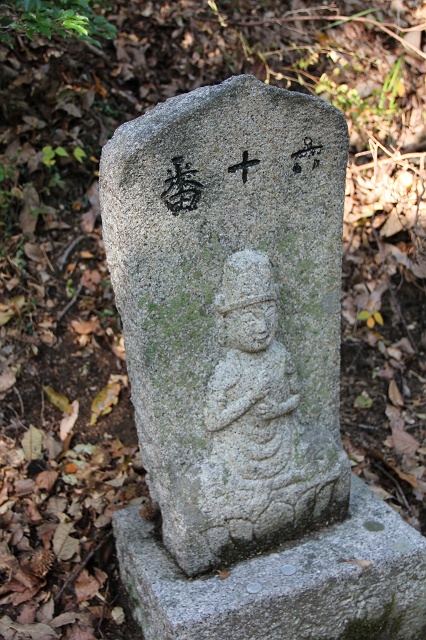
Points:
(247, 280)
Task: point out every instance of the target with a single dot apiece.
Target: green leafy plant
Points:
(50, 153)
(49, 18)
(391, 86)
(79, 154)
(371, 317)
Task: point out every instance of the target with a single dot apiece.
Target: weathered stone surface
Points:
(222, 213)
(370, 567)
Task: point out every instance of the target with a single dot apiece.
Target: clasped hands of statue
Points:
(265, 406)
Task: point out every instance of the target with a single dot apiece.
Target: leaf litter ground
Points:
(68, 445)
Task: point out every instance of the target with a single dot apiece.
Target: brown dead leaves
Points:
(85, 328)
(87, 586)
(50, 523)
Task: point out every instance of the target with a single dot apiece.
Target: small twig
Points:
(104, 606)
(398, 487)
(98, 52)
(70, 303)
(64, 257)
(355, 358)
(349, 242)
(411, 372)
(419, 201)
(361, 426)
(398, 160)
(73, 575)
(21, 404)
(392, 292)
(287, 16)
(42, 420)
(17, 417)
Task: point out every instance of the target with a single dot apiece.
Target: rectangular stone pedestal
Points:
(362, 578)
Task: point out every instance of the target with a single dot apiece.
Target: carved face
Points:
(252, 328)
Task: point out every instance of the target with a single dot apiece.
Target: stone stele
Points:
(222, 216)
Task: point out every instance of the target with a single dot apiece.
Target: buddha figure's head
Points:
(248, 302)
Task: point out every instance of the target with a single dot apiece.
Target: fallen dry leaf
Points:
(24, 487)
(101, 576)
(89, 218)
(395, 395)
(223, 574)
(64, 545)
(28, 217)
(8, 563)
(118, 348)
(32, 443)
(90, 279)
(84, 328)
(394, 353)
(57, 399)
(116, 377)
(36, 631)
(55, 505)
(395, 417)
(5, 316)
(10, 308)
(28, 614)
(34, 252)
(117, 614)
(46, 480)
(104, 401)
(68, 617)
(78, 633)
(405, 345)
(71, 467)
(52, 446)
(86, 586)
(68, 421)
(364, 564)
(7, 380)
(404, 442)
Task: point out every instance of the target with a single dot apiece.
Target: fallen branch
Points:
(396, 160)
(64, 257)
(70, 303)
(392, 292)
(74, 574)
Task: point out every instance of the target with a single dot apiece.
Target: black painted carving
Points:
(309, 151)
(183, 192)
(243, 166)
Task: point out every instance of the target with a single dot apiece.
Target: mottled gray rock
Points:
(222, 215)
(371, 566)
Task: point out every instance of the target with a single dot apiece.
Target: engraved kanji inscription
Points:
(183, 192)
(243, 166)
(308, 151)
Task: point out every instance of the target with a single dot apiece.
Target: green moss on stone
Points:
(132, 591)
(287, 244)
(177, 324)
(225, 474)
(385, 627)
(191, 440)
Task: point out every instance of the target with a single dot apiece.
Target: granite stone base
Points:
(362, 578)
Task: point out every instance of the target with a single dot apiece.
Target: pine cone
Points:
(41, 562)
